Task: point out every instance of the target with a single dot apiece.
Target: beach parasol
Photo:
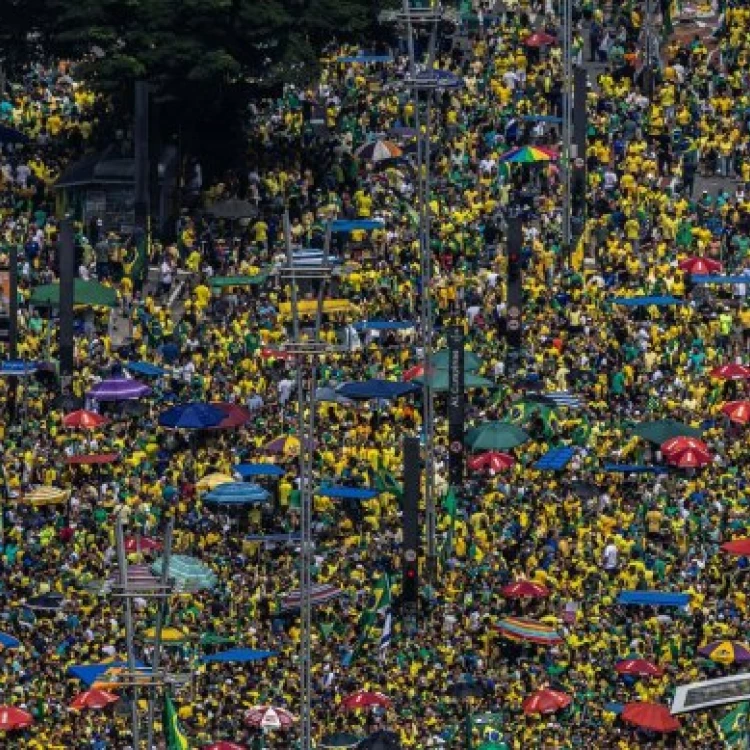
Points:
(732, 371)
(141, 544)
(546, 701)
(737, 547)
(737, 411)
(638, 668)
(365, 699)
(119, 389)
(493, 461)
(41, 496)
(661, 430)
(189, 573)
(700, 266)
(268, 717)
(191, 416)
(500, 436)
(211, 481)
(14, 718)
(525, 590)
(651, 716)
(234, 415)
(539, 39)
(726, 652)
(84, 420)
(531, 631)
(93, 699)
(379, 151)
(528, 155)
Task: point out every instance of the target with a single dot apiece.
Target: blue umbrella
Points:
(147, 369)
(258, 470)
(376, 389)
(191, 416)
(8, 641)
(237, 493)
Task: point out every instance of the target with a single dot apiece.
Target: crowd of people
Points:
(518, 541)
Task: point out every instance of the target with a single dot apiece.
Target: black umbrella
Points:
(463, 690)
(68, 402)
(233, 208)
(382, 740)
(585, 490)
(540, 398)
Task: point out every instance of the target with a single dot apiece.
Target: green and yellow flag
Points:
(176, 739)
(734, 726)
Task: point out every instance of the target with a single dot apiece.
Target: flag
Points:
(136, 256)
(381, 603)
(385, 636)
(450, 506)
(386, 482)
(176, 739)
(734, 726)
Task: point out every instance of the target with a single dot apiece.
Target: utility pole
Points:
(567, 123)
(67, 261)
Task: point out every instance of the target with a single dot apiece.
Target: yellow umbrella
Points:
(45, 496)
(213, 480)
(168, 635)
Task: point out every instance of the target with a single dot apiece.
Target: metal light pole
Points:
(567, 123)
(423, 80)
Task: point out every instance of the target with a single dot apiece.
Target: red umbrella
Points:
(700, 266)
(13, 718)
(546, 701)
(224, 745)
(144, 543)
(414, 372)
(94, 699)
(84, 420)
(690, 458)
(683, 443)
(93, 458)
(639, 668)
(525, 590)
(652, 716)
(737, 547)
(236, 416)
(737, 411)
(540, 39)
(731, 371)
(492, 461)
(365, 699)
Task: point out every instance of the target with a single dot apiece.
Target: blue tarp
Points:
(258, 470)
(237, 493)
(146, 368)
(646, 301)
(17, 367)
(90, 673)
(384, 325)
(346, 227)
(654, 598)
(365, 58)
(555, 460)
(347, 493)
(720, 279)
(635, 469)
(375, 388)
(238, 656)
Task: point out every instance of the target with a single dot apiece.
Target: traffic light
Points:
(514, 265)
(410, 520)
(411, 580)
(514, 286)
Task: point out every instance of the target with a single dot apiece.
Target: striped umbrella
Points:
(365, 699)
(492, 461)
(700, 266)
(546, 701)
(320, 593)
(237, 493)
(683, 443)
(726, 652)
(638, 668)
(41, 496)
(731, 371)
(189, 573)
(689, 459)
(84, 420)
(119, 389)
(525, 590)
(379, 151)
(531, 631)
(14, 718)
(93, 699)
(529, 155)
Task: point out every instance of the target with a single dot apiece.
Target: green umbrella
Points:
(440, 360)
(340, 739)
(438, 381)
(90, 293)
(212, 639)
(664, 429)
(189, 574)
(496, 436)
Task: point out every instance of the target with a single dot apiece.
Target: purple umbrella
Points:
(118, 389)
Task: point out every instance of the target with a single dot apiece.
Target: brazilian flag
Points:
(136, 256)
(176, 739)
(734, 726)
